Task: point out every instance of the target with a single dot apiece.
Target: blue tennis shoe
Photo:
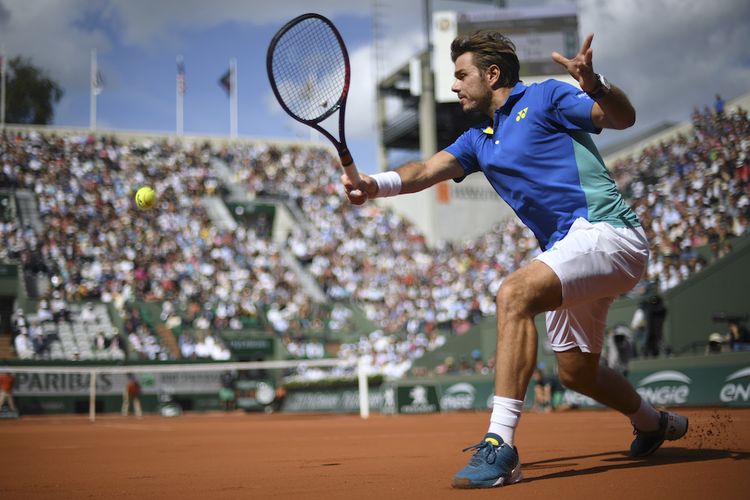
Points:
(494, 463)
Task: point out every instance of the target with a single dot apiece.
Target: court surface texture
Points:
(565, 455)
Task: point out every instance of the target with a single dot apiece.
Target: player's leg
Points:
(595, 263)
(524, 294)
(581, 372)
(576, 334)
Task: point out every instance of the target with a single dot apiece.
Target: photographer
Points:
(739, 335)
(655, 313)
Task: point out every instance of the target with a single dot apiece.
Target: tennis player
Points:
(537, 154)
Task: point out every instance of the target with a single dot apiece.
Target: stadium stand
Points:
(691, 192)
(174, 279)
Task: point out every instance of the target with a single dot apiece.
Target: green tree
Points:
(31, 94)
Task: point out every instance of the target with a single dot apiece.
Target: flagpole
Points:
(180, 96)
(2, 87)
(233, 98)
(92, 84)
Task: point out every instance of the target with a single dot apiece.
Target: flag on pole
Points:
(180, 76)
(98, 83)
(226, 82)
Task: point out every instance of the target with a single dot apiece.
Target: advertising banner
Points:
(107, 384)
(330, 400)
(696, 386)
(417, 398)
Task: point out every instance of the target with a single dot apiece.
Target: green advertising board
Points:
(245, 346)
(342, 400)
(417, 398)
(717, 380)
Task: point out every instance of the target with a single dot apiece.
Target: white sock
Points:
(504, 419)
(646, 419)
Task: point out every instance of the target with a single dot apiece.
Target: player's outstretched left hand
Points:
(581, 66)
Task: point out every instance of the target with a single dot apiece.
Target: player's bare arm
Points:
(612, 109)
(414, 176)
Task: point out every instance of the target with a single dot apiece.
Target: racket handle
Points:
(347, 162)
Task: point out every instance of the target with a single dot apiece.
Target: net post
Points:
(92, 396)
(364, 396)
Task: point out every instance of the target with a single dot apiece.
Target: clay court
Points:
(564, 455)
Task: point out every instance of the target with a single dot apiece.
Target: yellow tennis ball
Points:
(145, 198)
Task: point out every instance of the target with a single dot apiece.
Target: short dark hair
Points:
(489, 47)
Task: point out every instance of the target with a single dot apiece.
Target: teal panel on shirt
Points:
(605, 203)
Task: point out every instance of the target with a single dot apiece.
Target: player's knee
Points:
(511, 298)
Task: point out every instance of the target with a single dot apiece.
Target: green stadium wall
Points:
(708, 380)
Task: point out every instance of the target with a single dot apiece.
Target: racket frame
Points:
(340, 105)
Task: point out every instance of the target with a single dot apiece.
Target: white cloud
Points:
(670, 55)
(145, 22)
(47, 32)
(55, 32)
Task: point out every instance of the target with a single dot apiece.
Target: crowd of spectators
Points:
(55, 331)
(95, 245)
(373, 256)
(689, 191)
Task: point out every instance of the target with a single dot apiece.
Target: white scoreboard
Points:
(535, 31)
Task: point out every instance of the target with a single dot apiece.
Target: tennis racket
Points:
(308, 67)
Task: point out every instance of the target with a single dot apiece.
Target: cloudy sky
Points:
(668, 55)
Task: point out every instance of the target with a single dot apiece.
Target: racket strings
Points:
(308, 67)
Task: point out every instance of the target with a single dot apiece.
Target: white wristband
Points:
(389, 184)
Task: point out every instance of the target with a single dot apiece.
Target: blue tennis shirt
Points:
(539, 157)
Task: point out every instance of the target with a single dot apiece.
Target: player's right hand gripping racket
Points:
(308, 67)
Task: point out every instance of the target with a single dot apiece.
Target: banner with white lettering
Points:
(77, 384)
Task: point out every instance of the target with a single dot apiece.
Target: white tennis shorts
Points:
(596, 263)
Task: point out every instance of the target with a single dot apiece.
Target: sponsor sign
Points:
(249, 346)
(107, 384)
(66, 384)
(417, 398)
(736, 388)
(665, 387)
(460, 396)
(577, 400)
(333, 400)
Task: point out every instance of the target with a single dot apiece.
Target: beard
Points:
(477, 105)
